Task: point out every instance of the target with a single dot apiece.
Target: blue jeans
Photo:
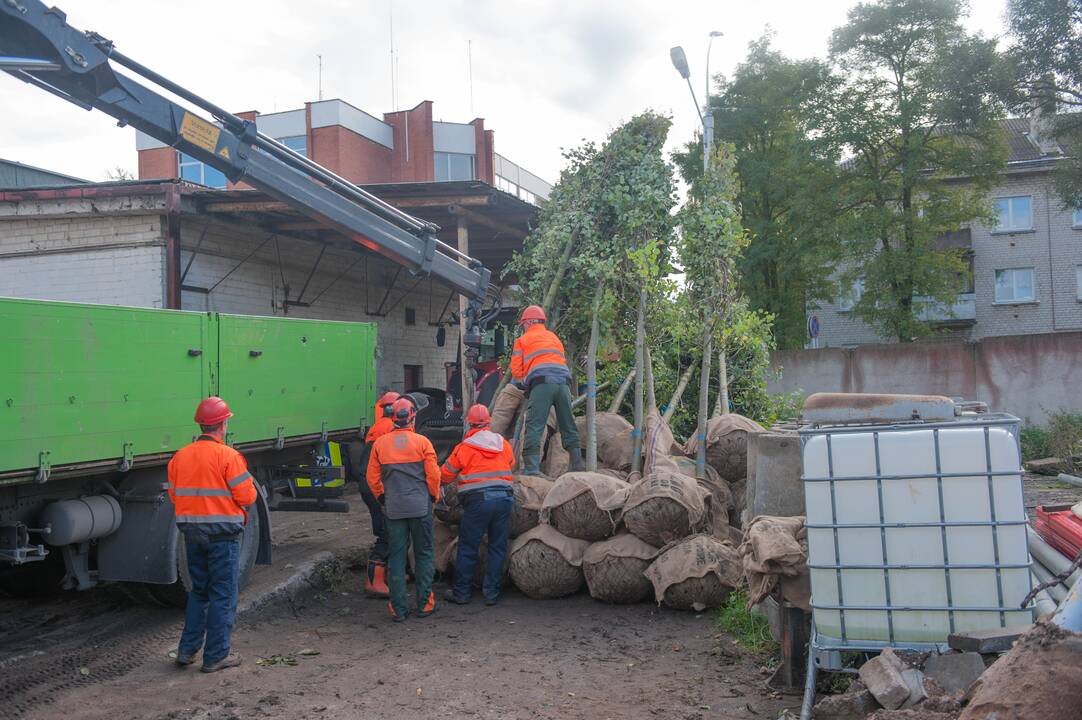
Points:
(484, 511)
(212, 602)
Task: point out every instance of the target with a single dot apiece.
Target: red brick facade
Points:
(158, 163)
(412, 157)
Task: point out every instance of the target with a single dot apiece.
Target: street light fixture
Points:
(680, 62)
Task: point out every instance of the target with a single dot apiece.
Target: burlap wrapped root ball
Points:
(663, 507)
(545, 564)
(449, 509)
(530, 493)
(614, 444)
(585, 505)
(695, 573)
(726, 444)
(614, 569)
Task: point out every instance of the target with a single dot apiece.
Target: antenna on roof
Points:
(469, 69)
(320, 75)
(394, 94)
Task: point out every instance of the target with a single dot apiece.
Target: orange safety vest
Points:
(403, 467)
(484, 459)
(210, 486)
(381, 427)
(538, 354)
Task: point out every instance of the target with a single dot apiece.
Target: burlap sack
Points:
(726, 444)
(614, 569)
(506, 408)
(695, 573)
(585, 505)
(659, 446)
(614, 444)
(555, 459)
(665, 507)
(530, 492)
(546, 564)
(446, 540)
(448, 509)
(775, 553)
(720, 497)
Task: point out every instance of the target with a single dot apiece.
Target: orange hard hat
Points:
(478, 416)
(386, 400)
(212, 411)
(533, 312)
(403, 411)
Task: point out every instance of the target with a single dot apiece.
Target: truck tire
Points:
(176, 595)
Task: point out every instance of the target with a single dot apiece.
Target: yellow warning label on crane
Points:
(199, 132)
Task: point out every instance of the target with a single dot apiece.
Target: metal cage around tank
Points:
(825, 650)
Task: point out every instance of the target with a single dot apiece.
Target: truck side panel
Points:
(93, 382)
(295, 377)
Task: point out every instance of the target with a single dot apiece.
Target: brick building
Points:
(1026, 268)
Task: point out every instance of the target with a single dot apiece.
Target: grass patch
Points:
(752, 631)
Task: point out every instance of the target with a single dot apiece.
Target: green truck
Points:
(95, 399)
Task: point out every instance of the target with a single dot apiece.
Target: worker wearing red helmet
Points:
(538, 364)
(375, 583)
(481, 465)
(404, 476)
(209, 485)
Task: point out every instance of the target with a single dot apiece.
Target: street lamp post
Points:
(680, 62)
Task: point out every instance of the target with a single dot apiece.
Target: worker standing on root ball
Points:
(538, 364)
(481, 464)
(375, 583)
(404, 476)
(209, 485)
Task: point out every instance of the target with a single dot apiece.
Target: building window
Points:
(198, 172)
(527, 196)
(1014, 285)
(413, 375)
(411, 316)
(1014, 213)
(506, 185)
(1078, 281)
(296, 143)
(1076, 219)
(851, 296)
(453, 166)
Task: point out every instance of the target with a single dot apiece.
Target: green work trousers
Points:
(399, 534)
(544, 397)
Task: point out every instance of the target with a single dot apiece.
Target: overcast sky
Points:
(545, 74)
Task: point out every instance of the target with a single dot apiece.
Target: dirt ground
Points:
(568, 658)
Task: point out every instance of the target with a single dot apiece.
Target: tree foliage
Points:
(915, 107)
(1047, 55)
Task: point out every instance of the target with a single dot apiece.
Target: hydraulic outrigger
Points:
(38, 46)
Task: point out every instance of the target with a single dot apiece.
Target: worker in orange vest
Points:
(209, 485)
(404, 476)
(481, 465)
(375, 583)
(538, 365)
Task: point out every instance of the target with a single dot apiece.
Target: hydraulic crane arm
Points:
(40, 48)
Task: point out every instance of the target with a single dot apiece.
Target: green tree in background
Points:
(1048, 57)
(916, 108)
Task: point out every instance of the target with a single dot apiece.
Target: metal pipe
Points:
(1050, 557)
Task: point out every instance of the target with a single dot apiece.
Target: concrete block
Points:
(993, 640)
(955, 672)
(914, 680)
(882, 675)
(850, 706)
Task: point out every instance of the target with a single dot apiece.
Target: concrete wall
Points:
(1025, 375)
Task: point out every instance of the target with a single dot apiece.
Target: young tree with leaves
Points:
(917, 111)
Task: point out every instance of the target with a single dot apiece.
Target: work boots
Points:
(231, 660)
(577, 463)
(375, 582)
(531, 465)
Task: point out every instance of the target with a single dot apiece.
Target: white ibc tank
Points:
(890, 552)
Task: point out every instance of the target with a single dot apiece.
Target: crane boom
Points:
(39, 47)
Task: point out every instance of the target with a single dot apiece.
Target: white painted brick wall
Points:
(256, 288)
(107, 259)
(1053, 248)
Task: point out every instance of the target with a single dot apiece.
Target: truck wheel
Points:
(176, 595)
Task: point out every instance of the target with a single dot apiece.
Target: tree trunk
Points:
(651, 391)
(704, 404)
(621, 392)
(640, 380)
(681, 385)
(722, 406)
(591, 381)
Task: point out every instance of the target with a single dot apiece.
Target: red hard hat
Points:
(212, 411)
(387, 398)
(533, 312)
(478, 416)
(403, 411)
